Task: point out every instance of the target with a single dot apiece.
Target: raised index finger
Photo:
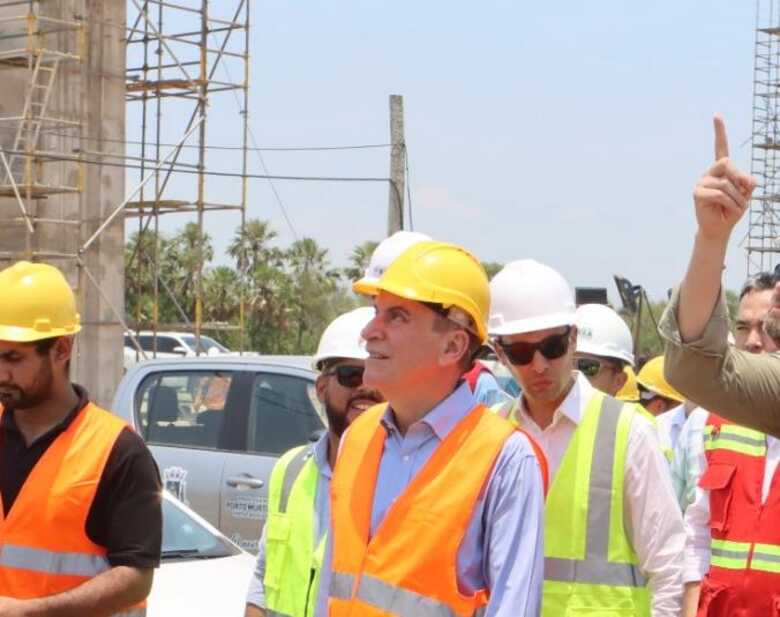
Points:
(721, 141)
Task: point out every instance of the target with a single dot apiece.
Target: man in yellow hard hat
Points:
(437, 502)
(81, 506)
(655, 393)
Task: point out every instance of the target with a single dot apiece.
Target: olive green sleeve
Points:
(738, 385)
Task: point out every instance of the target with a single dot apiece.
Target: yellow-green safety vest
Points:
(589, 562)
(292, 563)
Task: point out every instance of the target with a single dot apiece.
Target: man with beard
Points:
(81, 509)
(286, 580)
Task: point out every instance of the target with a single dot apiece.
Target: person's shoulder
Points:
(517, 447)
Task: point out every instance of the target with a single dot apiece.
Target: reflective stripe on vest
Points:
(766, 557)
(52, 562)
(728, 554)
(596, 568)
(291, 475)
(394, 600)
(735, 438)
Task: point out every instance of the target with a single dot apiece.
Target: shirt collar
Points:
(572, 407)
(319, 451)
(443, 418)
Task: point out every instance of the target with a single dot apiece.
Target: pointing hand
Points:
(723, 193)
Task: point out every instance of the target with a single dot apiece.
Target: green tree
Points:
(492, 268)
(188, 252)
(359, 260)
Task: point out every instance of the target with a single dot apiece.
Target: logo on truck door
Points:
(175, 482)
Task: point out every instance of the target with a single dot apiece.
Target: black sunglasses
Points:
(590, 367)
(347, 376)
(552, 348)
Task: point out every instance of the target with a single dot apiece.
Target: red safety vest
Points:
(744, 575)
(409, 564)
(45, 549)
(472, 375)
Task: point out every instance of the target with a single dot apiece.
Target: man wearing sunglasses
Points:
(286, 580)
(604, 347)
(613, 532)
(437, 502)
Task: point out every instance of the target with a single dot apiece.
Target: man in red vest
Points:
(80, 518)
(732, 564)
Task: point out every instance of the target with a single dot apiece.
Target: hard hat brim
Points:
(367, 286)
(16, 334)
(595, 350)
(532, 324)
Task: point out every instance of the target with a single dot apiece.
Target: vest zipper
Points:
(312, 574)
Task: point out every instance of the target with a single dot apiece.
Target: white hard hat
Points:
(602, 332)
(386, 252)
(342, 338)
(527, 296)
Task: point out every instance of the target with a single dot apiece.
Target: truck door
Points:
(279, 414)
(181, 414)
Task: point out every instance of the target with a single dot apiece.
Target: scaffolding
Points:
(41, 44)
(763, 243)
(183, 58)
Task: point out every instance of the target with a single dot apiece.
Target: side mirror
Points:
(182, 351)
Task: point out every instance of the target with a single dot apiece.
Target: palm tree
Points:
(360, 258)
(189, 252)
(250, 245)
(221, 294)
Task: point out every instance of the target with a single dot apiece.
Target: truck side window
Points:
(183, 408)
(281, 415)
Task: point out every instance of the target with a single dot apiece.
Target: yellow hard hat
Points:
(630, 390)
(438, 272)
(37, 303)
(651, 377)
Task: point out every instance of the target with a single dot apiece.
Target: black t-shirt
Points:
(126, 514)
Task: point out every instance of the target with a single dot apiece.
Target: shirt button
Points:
(406, 459)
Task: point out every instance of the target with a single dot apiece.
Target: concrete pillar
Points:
(89, 91)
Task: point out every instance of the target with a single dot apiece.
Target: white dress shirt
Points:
(652, 517)
(697, 516)
(669, 425)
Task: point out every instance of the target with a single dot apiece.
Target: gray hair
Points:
(758, 282)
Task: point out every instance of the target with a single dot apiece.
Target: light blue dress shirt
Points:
(688, 453)
(489, 392)
(503, 548)
(256, 594)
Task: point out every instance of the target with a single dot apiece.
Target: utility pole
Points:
(395, 206)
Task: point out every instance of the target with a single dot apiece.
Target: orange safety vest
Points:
(44, 547)
(409, 566)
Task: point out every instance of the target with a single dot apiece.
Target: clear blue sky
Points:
(570, 132)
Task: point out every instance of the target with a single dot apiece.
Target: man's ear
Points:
(62, 350)
(455, 345)
(620, 379)
(319, 385)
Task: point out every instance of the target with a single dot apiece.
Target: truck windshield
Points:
(184, 537)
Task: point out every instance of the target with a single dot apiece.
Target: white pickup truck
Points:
(216, 426)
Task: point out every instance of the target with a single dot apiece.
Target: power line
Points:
(222, 174)
(129, 142)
